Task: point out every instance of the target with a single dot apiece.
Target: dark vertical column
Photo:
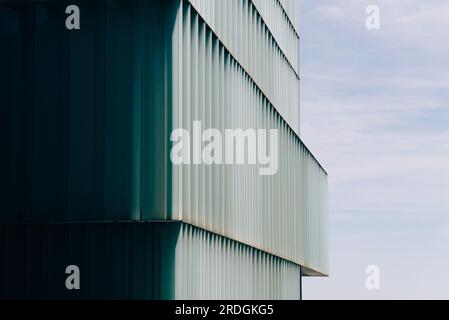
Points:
(24, 96)
(137, 21)
(118, 119)
(100, 109)
(86, 105)
(50, 115)
(154, 140)
(17, 87)
(168, 235)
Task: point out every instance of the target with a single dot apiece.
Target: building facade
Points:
(87, 133)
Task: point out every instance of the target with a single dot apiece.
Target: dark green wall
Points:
(116, 260)
(83, 121)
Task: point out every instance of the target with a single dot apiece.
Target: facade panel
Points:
(83, 129)
(241, 29)
(115, 260)
(138, 261)
(283, 214)
(86, 134)
(282, 25)
(221, 268)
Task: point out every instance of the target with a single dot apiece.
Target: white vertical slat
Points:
(244, 79)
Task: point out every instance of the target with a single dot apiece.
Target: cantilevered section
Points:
(218, 78)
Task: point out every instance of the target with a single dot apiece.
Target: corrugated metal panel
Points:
(282, 26)
(291, 8)
(138, 261)
(209, 266)
(241, 29)
(284, 214)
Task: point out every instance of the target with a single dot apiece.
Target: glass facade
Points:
(82, 110)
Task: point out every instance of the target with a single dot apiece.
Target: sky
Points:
(375, 112)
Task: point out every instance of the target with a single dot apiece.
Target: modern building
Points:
(86, 136)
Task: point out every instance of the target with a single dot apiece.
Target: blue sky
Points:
(375, 111)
